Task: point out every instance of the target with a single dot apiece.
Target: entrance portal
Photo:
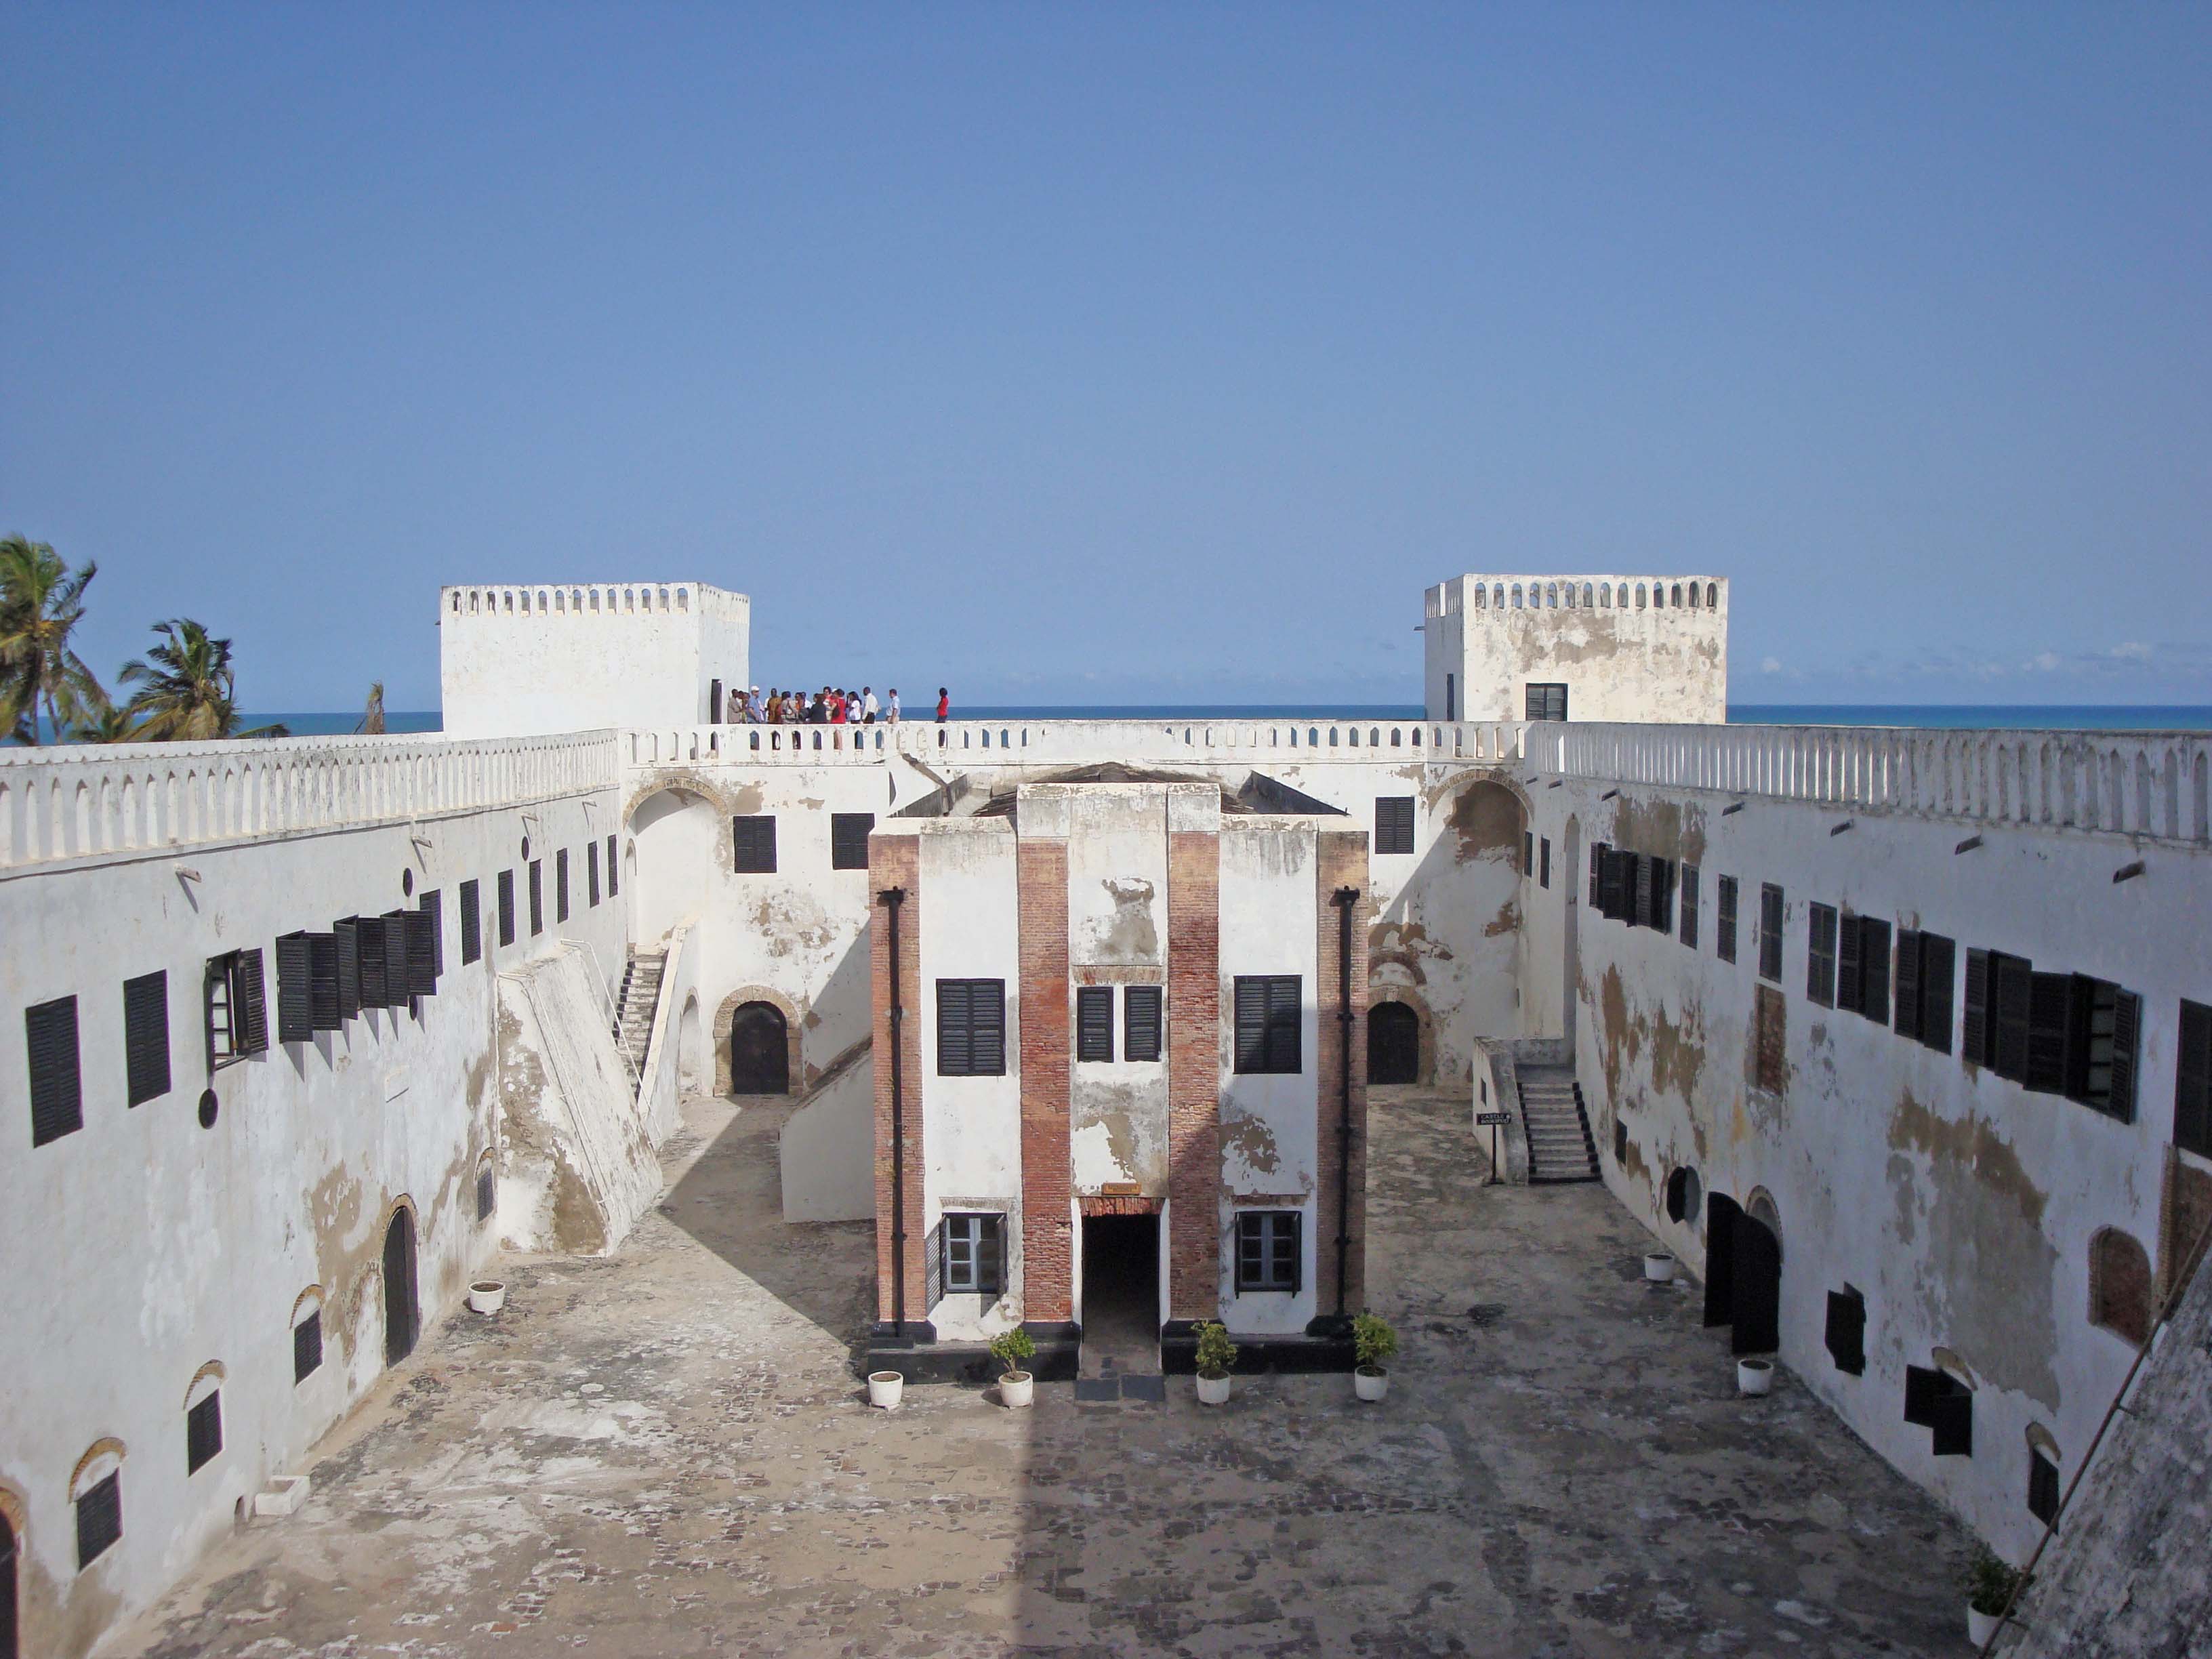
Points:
(760, 1059)
(1743, 1277)
(401, 1321)
(1120, 1295)
(1393, 1043)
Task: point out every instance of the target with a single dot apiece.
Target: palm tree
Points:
(187, 688)
(41, 602)
(103, 721)
(372, 718)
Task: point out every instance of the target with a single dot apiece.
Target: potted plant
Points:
(1012, 1350)
(1991, 1585)
(487, 1296)
(1754, 1377)
(1659, 1267)
(1373, 1341)
(1216, 1354)
(884, 1388)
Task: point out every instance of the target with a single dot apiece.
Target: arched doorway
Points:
(760, 1052)
(1393, 1043)
(401, 1319)
(1743, 1276)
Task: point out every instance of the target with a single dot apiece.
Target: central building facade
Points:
(1117, 1015)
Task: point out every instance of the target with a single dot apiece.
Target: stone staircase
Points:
(1560, 1144)
(634, 1007)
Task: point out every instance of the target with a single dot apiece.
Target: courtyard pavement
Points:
(667, 1453)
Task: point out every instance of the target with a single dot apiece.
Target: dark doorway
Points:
(1758, 1274)
(401, 1319)
(8, 1634)
(1721, 1213)
(760, 1060)
(1120, 1294)
(1393, 1043)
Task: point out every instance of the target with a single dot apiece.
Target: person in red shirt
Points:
(944, 705)
(836, 708)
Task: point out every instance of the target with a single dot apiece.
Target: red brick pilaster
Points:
(896, 861)
(1047, 1232)
(1342, 862)
(1194, 1016)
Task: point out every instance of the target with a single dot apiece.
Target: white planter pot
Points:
(1213, 1390)
(1754, 1377)
(1659, 1267)
(1980, 1626)
(487, 1296)
(885, 1388)
(1370, 1383)
(282, 1496)
(1017, 1390)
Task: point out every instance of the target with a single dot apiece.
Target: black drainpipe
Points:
(892, 898)
(1345, 899)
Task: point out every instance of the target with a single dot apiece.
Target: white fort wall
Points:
(1647, 648)
(551, 658)
(162, 1248)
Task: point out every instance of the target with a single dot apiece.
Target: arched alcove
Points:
(676, 843)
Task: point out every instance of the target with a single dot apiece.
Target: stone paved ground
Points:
(667, 1453)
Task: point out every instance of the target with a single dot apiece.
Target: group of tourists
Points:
(831, 706)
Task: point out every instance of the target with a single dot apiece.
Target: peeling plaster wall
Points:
(1642, 663)
(187, 1244)
(1268, 1121)
(1117, 893)
(1960, 1203)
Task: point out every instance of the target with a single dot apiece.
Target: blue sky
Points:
(1123, 354)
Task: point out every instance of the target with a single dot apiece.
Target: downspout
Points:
(1344, 898)
(892, 898)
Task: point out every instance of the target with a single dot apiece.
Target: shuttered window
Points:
(99, 1519)
(433, 905)
(1873, 969)
(1690, 905)
(1545, 702)
(971, 1028)
(506, 907)
(537, 898)
(614, 881)
(1140, 1022)
(561, 884)
(1544, 862)
(1616, 885)
(1651, 884)
(307, 1346)
(1268, 1257)
(50, 1043)
(2042, 1485)
(203, 1433)
(1937, 1400)
(753, 843)
(292, 1022)
(1597, 900)
(591, 872)
(414, 934)
(974, 1255)
(346, 931)
(146, 1036)
(1820, 954)
(234, 1009)
(371, 957)
(848, 840)
(1528, 853)
(1094, 1022)
(2192, 1081)
(1394, 824)
(2012, 995)
(1771, 912)
(1268, 1020)
(1724, 919)
(471, 921)
(1908, 1016)
(1846, 1331)
(487, 1193)
(1939, 968)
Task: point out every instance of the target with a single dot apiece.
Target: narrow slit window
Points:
(146, 1035)
(471, 921)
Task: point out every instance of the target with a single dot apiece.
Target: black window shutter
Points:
(506, 907)
(1820, 954)
(592, 871)
(99, 1519)
(1981, 1029)
(202, 1432)
(295, 1021)
(397, 974)
(57, 1095)
(1851, 971)
(561, 884)
(537, 898)
(307, 1346)
(753, 843)
(2050, 1032)
(955, 1050)
(2192, 1081)
(614, 881)
(2015, 1002)
(848, 840)
(249, 1004)
(1528, 853)
(1607, 894)
(1846, 1332)
(1543, 861)
(1598, 851)
(1938, 966)
(433, 905)
(368, 943)
(1646, 890)
(932, 1256)
(323, 982)
(988, 1010)
(471, 921)
(348, 933)
(1952, 1421)
(1690, 905)
(1140, 1022)
(2127, 1028)
(991, 1255)
(1663, 895)
(1922, 1386)
(1724, 930)
(1908, 982)
(146, 1035)
(1094, 1022)
(1772, 913)
(1251, 1023)
(1284, 996)
(1873, 969)
(2042, 1486)
(421, 927)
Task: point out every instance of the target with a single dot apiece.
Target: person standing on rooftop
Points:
(944, 705)
(868, 708)
(893, 716)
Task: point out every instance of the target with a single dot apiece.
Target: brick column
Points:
(1341, 862)
(1047, 1232)
(1194, 1016)
(896, 861)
